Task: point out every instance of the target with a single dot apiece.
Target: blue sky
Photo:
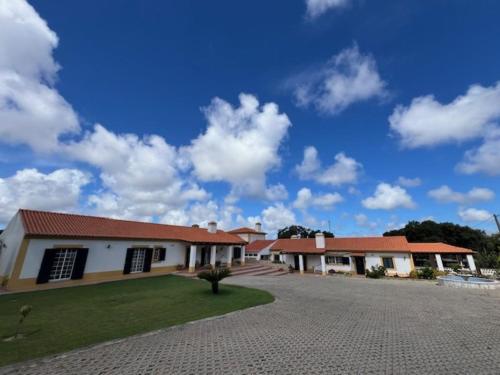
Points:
(205, 111)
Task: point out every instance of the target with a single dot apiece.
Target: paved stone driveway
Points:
(316, 326)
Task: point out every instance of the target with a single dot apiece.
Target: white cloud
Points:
(347, 78)
(316, 8)
(363, 221)
(240, 145)
(345, 170)
(389, 197)
(427, 122)
(31, 110)
(202, 213)
(305, 199)
(59, 191)
(485, 158)
(139, 175)
(276, 217)
(474, 214)
(409, 182)
(445, 194)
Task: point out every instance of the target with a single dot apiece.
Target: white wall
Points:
(11, 237)
(402, 263)
(100, 258)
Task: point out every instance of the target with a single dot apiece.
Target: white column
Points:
(439, 262)
(229, 255)
(472, 265)
(242, 260)
(213, 255)
(282, 258)
(192, 258)
(301, 264)
(323, 265)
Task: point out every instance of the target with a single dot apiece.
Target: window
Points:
(336, 260)
(421, 260)
(387, 262)
(62, 266)
(138, 257)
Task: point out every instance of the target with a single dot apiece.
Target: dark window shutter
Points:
(80, 261)
(46, 266)
(147, 260)
(163, 253)
(128, 261)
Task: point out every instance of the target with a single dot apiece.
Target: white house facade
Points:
(44, 249)
(357, 254)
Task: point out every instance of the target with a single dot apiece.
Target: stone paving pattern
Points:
(318, 325)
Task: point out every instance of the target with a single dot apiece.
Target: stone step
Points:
(246, 272)
(270, 272)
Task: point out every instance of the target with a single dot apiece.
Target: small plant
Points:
(179, 267)
(291, 269)
(376, 272)
(214, 276)
(455, 267)
(426, 273)
(24, 311)
(331, 272)
(413, 274)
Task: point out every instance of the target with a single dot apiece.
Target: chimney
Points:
(195, 226)
(212, 227)
(258, 227)
(294, 237)
(320, 241)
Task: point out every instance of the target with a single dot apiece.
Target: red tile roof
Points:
(393, 244)
(256, 246)
(52, 224)
(351, 244)
(245, 230)
(438, 247)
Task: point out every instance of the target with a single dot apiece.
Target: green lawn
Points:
(65, 319)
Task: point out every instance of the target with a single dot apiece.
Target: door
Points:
(237, 253)
(188, 254)
(360, 265)
(205, 256)
(296, 262)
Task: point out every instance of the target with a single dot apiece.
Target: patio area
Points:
(317, 325)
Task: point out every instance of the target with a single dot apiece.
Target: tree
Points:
(486, 246)
(303, 232)
(215, 275)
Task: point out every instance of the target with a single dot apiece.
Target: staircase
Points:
(249, 269)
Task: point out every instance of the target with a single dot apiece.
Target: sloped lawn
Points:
(65, 319)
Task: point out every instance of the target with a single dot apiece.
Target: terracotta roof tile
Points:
(438, 247)
(52, 224)
(258, 245)
(365, 244)
(245, 230)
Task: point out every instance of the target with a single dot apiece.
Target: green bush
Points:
(214, 276)
(426, 273)
(455, 267)
(376, 272)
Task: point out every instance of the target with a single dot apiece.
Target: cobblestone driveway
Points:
(318, 325)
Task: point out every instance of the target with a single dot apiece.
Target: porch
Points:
(444, 262)
(199, 255)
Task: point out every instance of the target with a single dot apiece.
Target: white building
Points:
(259, 249)
(44, 249)
(358, 254)
(250, 235)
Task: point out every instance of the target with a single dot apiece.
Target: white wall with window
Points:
(103, 256)
(400, 262)
(338, 263)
